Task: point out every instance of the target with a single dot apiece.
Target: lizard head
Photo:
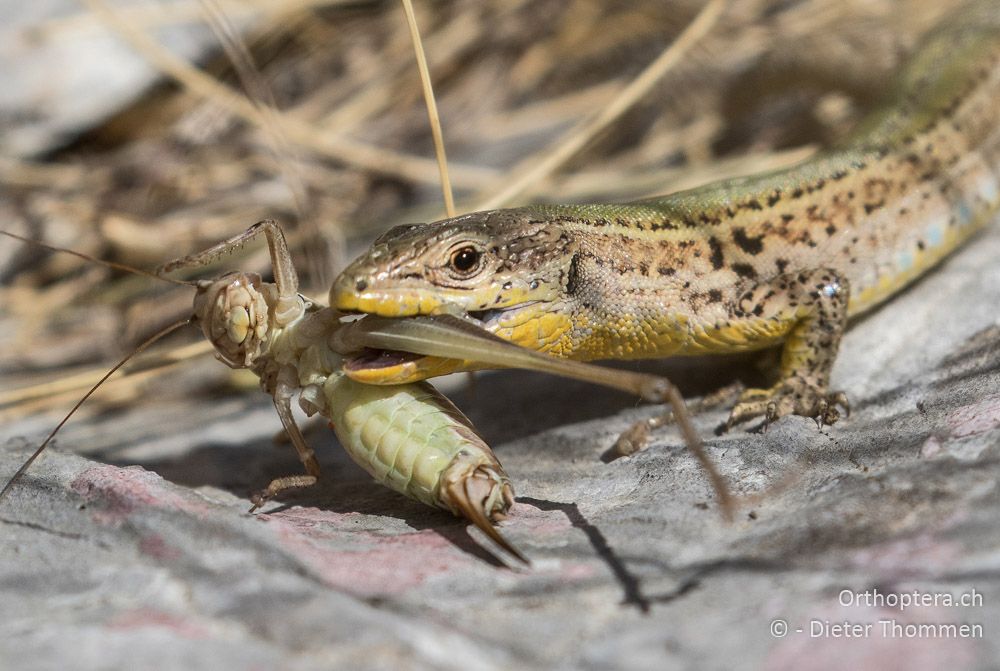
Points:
(474, 265)
(502, 268)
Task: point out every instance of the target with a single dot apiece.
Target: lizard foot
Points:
(636, 437)
(794, 396)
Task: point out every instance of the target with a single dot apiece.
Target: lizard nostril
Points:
(360, 285)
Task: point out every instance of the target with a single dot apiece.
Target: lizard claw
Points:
(840, 398)
(826, 408)
(770, 414)
(754, 403)
(795, 396)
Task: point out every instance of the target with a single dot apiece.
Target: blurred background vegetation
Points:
(336, 145)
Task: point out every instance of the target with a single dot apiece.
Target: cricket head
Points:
(478, 265)
(233, 314)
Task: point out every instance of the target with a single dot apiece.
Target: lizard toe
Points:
(795, 396)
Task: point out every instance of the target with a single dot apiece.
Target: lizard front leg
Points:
(810, 308)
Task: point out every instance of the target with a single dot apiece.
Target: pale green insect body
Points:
(415, 442)
(408, 437)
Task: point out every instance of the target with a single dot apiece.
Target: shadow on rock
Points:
(631, 588)
(515, 404)
(344, 487)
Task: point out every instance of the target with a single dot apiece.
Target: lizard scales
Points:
(735, 265)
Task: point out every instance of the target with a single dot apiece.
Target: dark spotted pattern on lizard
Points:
(741, 264)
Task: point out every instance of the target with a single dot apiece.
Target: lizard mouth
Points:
(490, 319)
(379, 359)
(382, 366)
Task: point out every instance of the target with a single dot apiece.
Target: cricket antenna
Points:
(102, 262)
(138, 350)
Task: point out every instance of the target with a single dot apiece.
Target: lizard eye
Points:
(465, 260)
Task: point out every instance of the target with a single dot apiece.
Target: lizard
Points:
(782, 258)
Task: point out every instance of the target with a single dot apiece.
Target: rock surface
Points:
(55, 55)
(105, 565)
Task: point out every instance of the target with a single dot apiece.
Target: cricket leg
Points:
(281, 261)
(283, 394)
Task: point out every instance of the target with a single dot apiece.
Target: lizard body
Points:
(736, 265)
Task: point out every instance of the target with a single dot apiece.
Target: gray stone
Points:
(105, 565)
(55, 55)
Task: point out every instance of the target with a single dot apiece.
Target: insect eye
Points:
(465, 260)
